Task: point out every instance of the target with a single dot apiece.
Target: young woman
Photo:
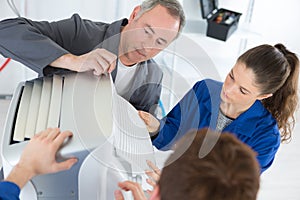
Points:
(256, 102)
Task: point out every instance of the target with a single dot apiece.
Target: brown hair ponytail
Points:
(277, 71)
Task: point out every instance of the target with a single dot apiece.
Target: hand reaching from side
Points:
(38, 157)
(135, 188)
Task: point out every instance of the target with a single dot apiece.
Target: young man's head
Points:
(152, 26)
(229, 171)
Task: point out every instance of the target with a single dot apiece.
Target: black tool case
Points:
(221, 23)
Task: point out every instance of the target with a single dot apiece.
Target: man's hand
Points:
(153, 175)
(135, 188)
(38, 157)
(151, 122)
(100, 61)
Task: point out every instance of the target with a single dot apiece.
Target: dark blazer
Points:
(38, 43)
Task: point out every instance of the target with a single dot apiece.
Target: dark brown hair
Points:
(229, 171)
(276, 71)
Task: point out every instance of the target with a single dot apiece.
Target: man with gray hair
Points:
(124, 48)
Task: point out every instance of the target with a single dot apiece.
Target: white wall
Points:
(278, 22)
(98, 10)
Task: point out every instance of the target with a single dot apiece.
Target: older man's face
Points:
(145, 36)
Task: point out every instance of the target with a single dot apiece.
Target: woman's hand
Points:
(151, 122)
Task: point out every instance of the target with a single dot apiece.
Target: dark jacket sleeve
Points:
(182, 118)
(38, 43)
(9, 191)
